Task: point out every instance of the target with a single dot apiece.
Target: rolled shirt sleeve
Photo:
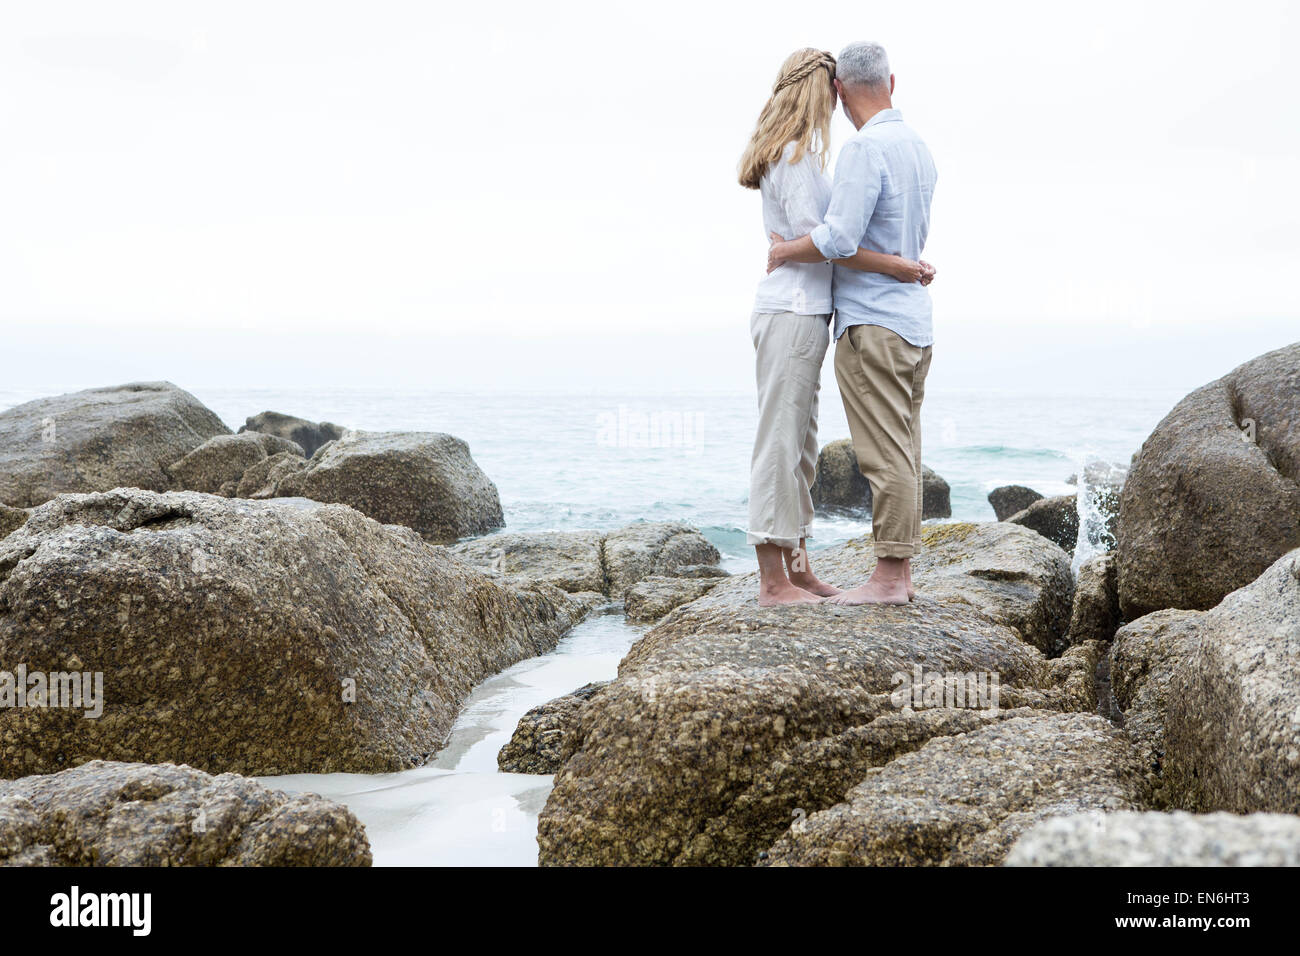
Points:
(853, 198)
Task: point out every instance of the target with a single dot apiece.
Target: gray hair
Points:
(863, 64)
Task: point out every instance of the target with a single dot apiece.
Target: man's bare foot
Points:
(813, 585)
(875, 591)
(787, 594)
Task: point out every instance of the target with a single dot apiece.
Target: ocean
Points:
(603, 460)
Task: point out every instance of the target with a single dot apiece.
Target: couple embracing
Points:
(851, 250)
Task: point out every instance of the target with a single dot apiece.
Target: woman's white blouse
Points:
(795, 197)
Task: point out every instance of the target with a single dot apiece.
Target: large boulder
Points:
(1232, 741)
(224, 459)
(99, 439)
(1213, 697)
(636, 552)
(307, 435)
(570, 560)
(1056, 519)
(1010, 499)
(1160, 839)
(651, 599)
(1213, 496)
(1095, 614)
(538, 740)
(262, 477)
(260, 637)
(1015, 576)
(423, 480)
(607, 563)
(726, 718)
(1145, 656)
(130, 814)
(840, 485)
(964, 800)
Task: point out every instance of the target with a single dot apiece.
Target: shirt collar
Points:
(884, 116)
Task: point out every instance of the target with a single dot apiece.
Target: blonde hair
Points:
(799, 110)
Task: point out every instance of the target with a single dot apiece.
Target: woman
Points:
(786, 161)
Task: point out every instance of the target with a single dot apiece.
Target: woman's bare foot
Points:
(800, 572)
(779, 594)
(814, 585)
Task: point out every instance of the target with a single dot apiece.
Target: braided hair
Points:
(799, 110)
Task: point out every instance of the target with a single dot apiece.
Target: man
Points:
(884, 180)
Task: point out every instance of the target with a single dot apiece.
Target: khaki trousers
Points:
(882, 382)
(789, 349)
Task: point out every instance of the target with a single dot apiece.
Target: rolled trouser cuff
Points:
(895, 549)
(757, 539)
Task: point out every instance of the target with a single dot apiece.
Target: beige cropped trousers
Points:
(789, 349)
(882, 381)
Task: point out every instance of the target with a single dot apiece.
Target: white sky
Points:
(520, 195)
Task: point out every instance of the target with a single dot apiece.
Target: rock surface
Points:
(226, 458)
(1143, 660)
(263, 638)
(652, 598)
(726, 717)
(840, 485)
(128, 814)
(262, 477)
(1095, 614)
(1008, 500)
(1010, 573)
(570, 560)
(1200, 490)
(11, 519)
(99, 439)
(1213, 697)
(636, 552)
(1056, 519)
(1232, 741)
(608, 563)
(538, 740)
(964, 800)
(1161, 839)
(309, 436)
(423, 480)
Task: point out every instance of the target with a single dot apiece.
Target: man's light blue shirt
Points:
(884, 180)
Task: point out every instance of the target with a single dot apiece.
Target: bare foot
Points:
(875, 591)
(814, 585)
(785, 594)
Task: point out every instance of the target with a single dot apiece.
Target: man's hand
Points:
(774, 251)
(927, 273)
